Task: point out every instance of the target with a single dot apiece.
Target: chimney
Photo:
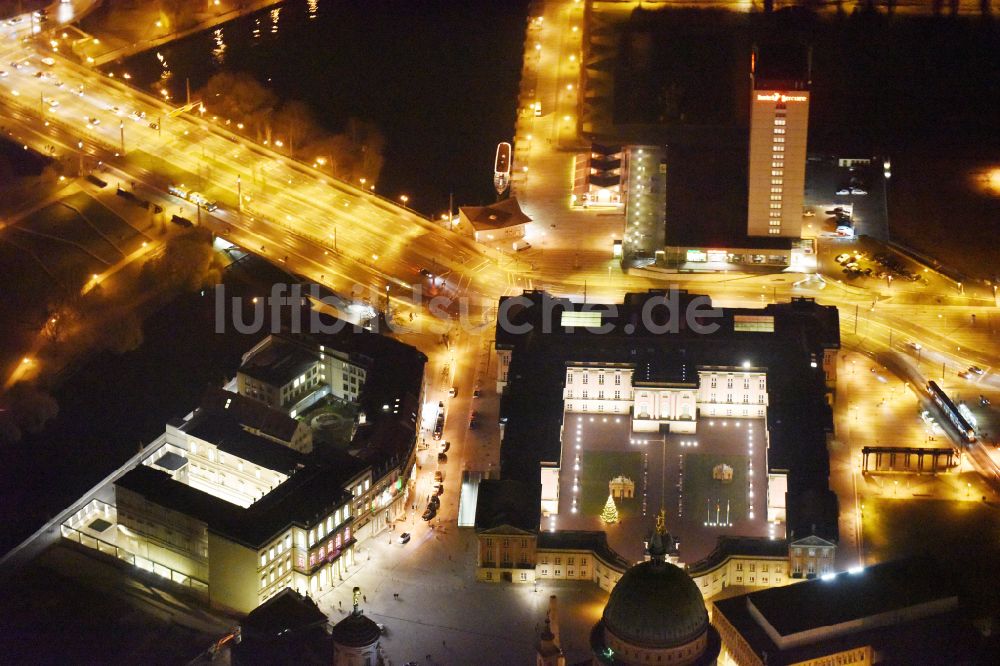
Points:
(554, 619)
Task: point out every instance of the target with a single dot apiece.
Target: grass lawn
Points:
(599, 467)
(962, 536)
(701, 490)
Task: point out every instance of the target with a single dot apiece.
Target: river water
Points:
(438, 77)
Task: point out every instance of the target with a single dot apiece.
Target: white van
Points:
(521, 245)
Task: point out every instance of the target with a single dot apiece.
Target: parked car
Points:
(984, 401)
(843, 192)
(442, 458)
(858, 191)
(439, 489)
(452, 392)
(445, 447)
(429, 514)
(434, 502)
(976, 369)
(964, 374)
(439, 476)
(404, 537)
(426, 273)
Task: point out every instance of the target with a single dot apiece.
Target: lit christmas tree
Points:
(610, 513)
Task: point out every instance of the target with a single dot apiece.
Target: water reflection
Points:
(219, 52)
(313, 7)
(275, 14)
(256, 28)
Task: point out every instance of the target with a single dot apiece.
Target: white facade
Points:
(721, 392)
(779, 125)
(736, 393)
(332, 373)
(598, 390)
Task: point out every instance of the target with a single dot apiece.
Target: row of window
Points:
(729, 398)
(600, 395)
(277, 550)
(506, 543)
(570, 573)
(763, 567)
(600, 378)
(713, 381)
(283, 569)
(712, 411)
(523, 578)
(570, 561)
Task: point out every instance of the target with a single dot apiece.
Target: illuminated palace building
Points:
(240, 499)
(616, 418)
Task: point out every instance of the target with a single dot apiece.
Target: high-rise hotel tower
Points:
(779, 124)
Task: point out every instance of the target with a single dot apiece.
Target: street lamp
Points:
(404, 199)
(363, 181)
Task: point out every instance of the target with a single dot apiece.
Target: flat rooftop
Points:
(942, 636)
(707, 194)
(847, 597)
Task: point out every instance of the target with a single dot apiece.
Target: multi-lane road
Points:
(345, 236)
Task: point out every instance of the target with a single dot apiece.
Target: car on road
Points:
(843, 192)
(439, 488)
(965, 374)
(53, 103)
(154, 126)
(429, 514)
(452, 392)
(858, 191)
(915, 346)
(4, 73)
(841, 258)
(426, 273)
(93, 121)
(476, 392)
(78, 91)
(48, 61)
(138, 116)
(445, 447)
(201, 200)
(404, 537)
(976, 369)
(808, 213)
(984, 401)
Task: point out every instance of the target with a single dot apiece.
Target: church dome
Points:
(656, 605)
